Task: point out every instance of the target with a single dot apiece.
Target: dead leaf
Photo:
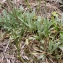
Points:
(26, 42)
(53, 31)
(6, 36)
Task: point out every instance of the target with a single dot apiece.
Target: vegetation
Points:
(48, 32)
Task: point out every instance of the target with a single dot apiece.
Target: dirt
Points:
(10, 55)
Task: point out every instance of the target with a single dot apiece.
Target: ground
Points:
(8, 52)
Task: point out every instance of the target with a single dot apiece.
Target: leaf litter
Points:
(28, 46)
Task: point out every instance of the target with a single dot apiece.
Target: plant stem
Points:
(18, 50)
(45, 10)
(10, 4)
(27, 3)
(39, 1)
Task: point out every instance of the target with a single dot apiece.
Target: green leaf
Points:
(21, 8)
(4, 12)
(55, 14)
(50, 46)
(41, 56)
(55, 46)
(61, 47)
(61, 19)
(61, 37)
